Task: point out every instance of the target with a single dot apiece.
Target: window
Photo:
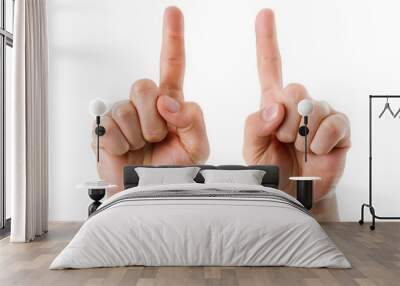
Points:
(9, 19)
(6, 44)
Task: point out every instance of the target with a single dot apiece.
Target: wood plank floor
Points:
(375, 257)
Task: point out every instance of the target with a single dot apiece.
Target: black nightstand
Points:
(304, 191)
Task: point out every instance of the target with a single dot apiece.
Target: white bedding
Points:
(189, 230)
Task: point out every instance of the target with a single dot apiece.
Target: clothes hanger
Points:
(397, 113)
(387, 107)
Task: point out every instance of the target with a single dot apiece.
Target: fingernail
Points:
(270, 113)
(171, 104)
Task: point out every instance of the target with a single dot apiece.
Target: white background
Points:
(342, 51)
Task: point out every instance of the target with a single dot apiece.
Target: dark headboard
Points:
(271, 177)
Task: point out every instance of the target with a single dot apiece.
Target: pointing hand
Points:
(155, 125)
(271, 134)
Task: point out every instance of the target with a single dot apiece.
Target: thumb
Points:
(259, 129)
(188, 119)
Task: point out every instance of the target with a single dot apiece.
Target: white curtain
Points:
(28, 120)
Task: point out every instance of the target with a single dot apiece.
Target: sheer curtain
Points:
(28, 120)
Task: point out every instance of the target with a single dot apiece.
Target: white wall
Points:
(341, 51)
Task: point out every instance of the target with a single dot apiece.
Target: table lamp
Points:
(97, 188)
(304, 192)
(97, 108)
(305, 107)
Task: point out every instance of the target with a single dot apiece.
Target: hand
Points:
(155, 126)
(271, 134)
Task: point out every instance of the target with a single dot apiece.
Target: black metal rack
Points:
(370, 205)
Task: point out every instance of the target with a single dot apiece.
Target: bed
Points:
(201, 224)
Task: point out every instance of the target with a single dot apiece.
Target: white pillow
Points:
(248, 177)
(162, 176)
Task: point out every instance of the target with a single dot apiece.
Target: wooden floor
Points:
(375, 257)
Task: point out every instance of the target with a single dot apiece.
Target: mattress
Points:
(201, 225)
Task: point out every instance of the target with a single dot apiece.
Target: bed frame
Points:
(270, 179)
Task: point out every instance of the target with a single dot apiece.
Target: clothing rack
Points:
(370, 205)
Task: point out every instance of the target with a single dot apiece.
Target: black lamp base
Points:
(96, 195)
(305, 193)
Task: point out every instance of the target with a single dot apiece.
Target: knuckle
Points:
(286, 136)
(253, 118)
(122, 111)
(173, 61)
(142, 86)
(194, 108)
(345, 119)
(318, 152)
(271, 59)
(296, 87)
(322, 108)
(106, 122)
(139, 143)
(193, 113)
(171, 89)
(155, 135)
(122, 151)
(297, 97)
(296, 91)
(333, 129)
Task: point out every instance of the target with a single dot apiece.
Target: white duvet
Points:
(183, 231)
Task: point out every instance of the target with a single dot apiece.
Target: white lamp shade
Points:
(97, 107)
(305, 107)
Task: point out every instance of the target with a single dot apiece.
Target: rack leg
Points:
(372, 210)
(361, 221)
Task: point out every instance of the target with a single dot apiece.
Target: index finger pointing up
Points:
(268, 57)
(172, 61)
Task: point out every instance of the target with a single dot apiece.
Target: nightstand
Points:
(304, 191)
(96, 191)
